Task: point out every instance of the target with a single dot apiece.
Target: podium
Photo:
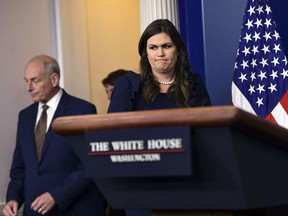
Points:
(216, 161)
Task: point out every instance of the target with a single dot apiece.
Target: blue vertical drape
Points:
(280, 14)
(191, 29)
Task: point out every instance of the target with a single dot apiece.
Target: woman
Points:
(165, 80)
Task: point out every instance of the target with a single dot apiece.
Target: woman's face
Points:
(162, 53)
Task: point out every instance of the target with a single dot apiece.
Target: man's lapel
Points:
(60, 111)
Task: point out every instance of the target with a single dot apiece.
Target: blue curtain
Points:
(191, 29)
(280, 14)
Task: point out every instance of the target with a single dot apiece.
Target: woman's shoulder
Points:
(196, 80)
(199, 93)
(131, 78)
(194, 77)
(132, 75)
(124, 92)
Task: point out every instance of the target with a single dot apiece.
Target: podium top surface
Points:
(202, 117)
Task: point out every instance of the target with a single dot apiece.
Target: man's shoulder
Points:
(31, 107)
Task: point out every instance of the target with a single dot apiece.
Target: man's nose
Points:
(29, 86)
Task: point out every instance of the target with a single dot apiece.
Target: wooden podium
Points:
(218, 161)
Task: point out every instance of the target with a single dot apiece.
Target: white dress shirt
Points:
(52, 103)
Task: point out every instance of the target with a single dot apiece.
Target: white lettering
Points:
(128, 145)
(135, 158)
(164, 144)
(99, 146)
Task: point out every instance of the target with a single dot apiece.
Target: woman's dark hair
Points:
(181, 86)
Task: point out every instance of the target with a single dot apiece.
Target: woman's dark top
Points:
(127, 95)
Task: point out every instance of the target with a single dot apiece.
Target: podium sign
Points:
(210, 159)
(133, 152)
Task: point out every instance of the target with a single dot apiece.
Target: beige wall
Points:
(26, 30)
(95, 37)
(73, 47)
(113, 32)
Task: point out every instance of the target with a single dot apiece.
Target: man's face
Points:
(40, 85)
(109, 89)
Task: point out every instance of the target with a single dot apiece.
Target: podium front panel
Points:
(233, 160)
(139, 152)
(231, 171)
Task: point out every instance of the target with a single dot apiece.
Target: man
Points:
(52, 182)
(109, 81)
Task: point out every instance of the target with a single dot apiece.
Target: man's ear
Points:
(55, 79)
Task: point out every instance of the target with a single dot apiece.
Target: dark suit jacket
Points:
(126, 89)
(124, 95)
(59, 170)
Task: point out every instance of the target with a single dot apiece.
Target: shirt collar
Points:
(54, 101)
